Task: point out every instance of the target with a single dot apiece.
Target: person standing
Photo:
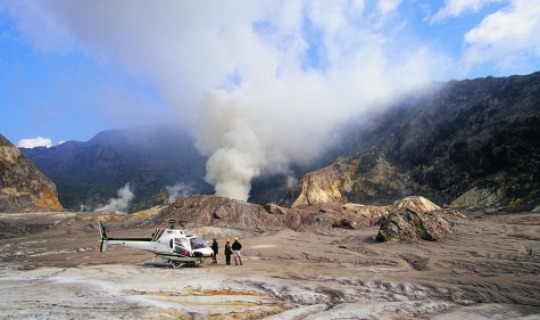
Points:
(236, 247)
(215, 248)
(228, 251)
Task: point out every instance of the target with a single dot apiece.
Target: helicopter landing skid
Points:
(179, 264)
(160, 264)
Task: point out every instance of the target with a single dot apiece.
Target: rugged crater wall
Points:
(22, 186)
(471, 144)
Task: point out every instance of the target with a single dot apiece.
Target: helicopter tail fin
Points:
(103, 234)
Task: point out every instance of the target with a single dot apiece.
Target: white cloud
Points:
(454, 8)
(42, 27)
(508, 37)
(34, 142)
(388, 6)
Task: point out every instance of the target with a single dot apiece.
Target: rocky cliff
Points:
(467, 144)
(23, 187)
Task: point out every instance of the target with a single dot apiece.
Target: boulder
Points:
(408, 224)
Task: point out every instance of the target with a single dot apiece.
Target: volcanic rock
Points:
(325, 185)
(23, 187)
(202, 210)
(410, 225)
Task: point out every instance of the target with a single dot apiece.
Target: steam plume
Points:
(178, 191)
(121, 203)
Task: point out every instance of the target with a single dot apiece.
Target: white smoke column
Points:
(236, 155)
(278, 111)
(178, 191)
(125, 196)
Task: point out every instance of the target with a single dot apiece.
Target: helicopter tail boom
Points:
(140, 243)
(103, 234)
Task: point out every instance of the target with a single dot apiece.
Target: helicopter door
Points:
(181, 246)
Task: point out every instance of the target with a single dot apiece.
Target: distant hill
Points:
(149, 159)
(469, 144)
(23, 188)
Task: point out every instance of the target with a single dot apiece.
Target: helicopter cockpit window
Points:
(181, 242)
(197, 243)
(181, 246)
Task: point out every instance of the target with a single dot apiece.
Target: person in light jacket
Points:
(236, 247)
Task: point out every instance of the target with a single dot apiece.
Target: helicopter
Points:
(170, 244)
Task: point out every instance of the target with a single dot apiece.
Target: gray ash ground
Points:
(51, 268)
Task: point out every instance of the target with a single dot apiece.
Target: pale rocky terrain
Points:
(487, 268)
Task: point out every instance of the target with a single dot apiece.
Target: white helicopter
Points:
(176, 248)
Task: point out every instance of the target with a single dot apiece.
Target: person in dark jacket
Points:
(236, 247)
(215, 248)
(228, 252)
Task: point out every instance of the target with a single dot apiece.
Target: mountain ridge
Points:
(148, 158)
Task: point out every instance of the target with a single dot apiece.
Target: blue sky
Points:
(232, 72)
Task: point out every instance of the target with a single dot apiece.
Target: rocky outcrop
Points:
(23, 187)
(414, 218)
(326, 185)
(410, 225)
(366, 179)
(211, 211)
(222, 212)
